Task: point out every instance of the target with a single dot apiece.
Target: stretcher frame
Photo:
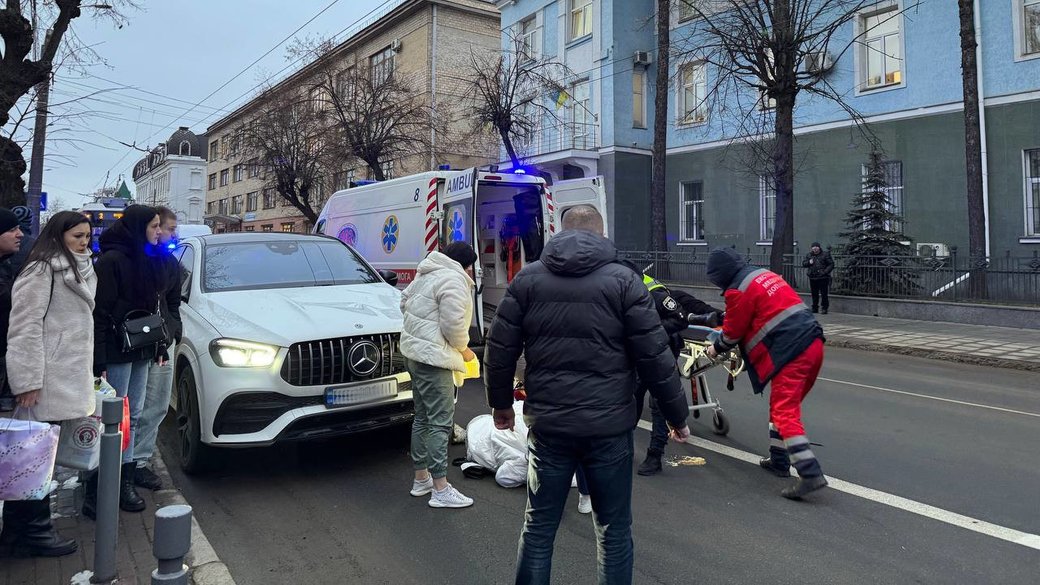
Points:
(693, 363)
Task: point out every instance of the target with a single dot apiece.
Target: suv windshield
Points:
(282, 264)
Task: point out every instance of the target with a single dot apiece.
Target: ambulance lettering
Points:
(463, 182)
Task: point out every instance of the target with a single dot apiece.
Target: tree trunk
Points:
(783, 177)
(510, 150)
(658, 227)
(376, 168)
(973, 152)
(12, 167)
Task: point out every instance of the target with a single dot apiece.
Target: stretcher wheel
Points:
(720, 423)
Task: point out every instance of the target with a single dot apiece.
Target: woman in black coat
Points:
(132, 282)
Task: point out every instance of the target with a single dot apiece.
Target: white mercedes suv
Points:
(286, 337)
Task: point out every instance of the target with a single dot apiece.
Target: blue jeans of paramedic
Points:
(130, 380)
(607, 465)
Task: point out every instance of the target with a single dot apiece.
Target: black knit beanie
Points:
(8, 220)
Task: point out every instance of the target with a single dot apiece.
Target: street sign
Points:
(43, 201)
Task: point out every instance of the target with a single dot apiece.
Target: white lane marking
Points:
(975, 525)
(904, 392)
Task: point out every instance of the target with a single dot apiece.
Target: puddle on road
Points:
(685, 461)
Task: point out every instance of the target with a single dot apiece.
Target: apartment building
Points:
(902, 73)
(427, 41)
(173, 175)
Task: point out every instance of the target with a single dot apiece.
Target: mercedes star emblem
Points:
(363, 358)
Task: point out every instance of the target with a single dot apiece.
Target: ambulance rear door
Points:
(458, 221)
(567, 194)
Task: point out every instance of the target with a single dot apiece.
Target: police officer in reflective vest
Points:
(783, 342)
(675, 308)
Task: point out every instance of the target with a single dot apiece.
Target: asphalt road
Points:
(963, 442)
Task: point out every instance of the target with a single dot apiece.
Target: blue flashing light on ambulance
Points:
(506, 216)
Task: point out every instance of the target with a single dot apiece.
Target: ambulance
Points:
(506, 216)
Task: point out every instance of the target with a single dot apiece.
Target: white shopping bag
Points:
(79, 446)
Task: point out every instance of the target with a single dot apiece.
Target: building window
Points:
(319, 99)
(185, 148)
(270, 199)
(339, 181)
(254, 168)
(239, 174)
(767, 207)
(691, 212)
(1033, 192)
(209, 207)
(638, 99)
(530, 39)
(224, 174)
(584, 130)
(213, 181)
(222, 206)
(382, 65)
(581, 18)
(250, 228)
(693, 104)
(1029, 29)
(881, 61)
(252, 201)
(236, 205)
(214, 150)
(388, 170)
(289, 227)
(223, 147)
(686, 11)
(267, 227)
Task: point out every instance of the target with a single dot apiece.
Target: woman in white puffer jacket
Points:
(438, 310)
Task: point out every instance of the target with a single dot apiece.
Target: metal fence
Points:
(1009, 279)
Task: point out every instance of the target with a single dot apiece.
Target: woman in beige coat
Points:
(50, 351)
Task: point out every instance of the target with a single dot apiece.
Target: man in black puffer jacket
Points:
(586, 326)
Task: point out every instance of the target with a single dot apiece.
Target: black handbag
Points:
(141, 329)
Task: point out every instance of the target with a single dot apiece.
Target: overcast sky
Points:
(182, 50)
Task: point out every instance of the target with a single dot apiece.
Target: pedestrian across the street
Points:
(818, 266)
(784, 344)
(438, 310)
(586, 325)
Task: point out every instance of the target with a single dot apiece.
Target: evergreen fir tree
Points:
(879, 261)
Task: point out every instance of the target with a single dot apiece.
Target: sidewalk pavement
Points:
(1002, 347)
(134, 552)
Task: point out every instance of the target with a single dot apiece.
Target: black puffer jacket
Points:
(586, 326)
(132, 276)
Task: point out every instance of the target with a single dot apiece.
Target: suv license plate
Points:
(360, 393)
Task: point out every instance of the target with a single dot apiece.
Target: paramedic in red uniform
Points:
(784, 344)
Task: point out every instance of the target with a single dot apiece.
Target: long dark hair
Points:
(51, 243)
(129, 235)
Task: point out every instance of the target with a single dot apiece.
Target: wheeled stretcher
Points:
(694, 363)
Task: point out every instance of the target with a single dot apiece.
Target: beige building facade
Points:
(428, 41)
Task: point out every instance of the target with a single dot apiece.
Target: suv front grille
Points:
(324, 362)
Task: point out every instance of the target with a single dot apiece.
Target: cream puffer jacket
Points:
(50, 345)
(438, 311)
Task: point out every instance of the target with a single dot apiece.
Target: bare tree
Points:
(973, 151)
(773, 51)
(22, 68)
(288, 139)
(512, 90)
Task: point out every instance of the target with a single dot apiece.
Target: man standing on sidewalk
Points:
(586, 325)
(160, 373)
(10, 243)
(819, 265)
(784, 345)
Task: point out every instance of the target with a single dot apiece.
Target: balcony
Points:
(565, 136)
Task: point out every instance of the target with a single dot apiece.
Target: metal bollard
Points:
(106, 529)
(172, 542)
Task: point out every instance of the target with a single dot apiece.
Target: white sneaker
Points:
(449, 498)
(421, 488)
(584, 504)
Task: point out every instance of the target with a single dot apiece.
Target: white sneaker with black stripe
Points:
(449, 498)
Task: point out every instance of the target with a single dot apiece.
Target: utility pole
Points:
(43, 91)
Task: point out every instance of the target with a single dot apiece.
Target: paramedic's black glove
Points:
(706, 320)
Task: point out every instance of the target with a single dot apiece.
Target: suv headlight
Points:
(232, 353)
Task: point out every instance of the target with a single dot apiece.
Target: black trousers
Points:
(820, 288)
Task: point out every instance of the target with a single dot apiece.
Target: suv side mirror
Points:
(389, 276)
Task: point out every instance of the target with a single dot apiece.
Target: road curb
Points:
(202, 560)
(837, 340)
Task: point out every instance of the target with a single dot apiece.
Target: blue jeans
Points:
(583, 484)
(607, 465)
(659, 432)
(156, 405)
(130, 380)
